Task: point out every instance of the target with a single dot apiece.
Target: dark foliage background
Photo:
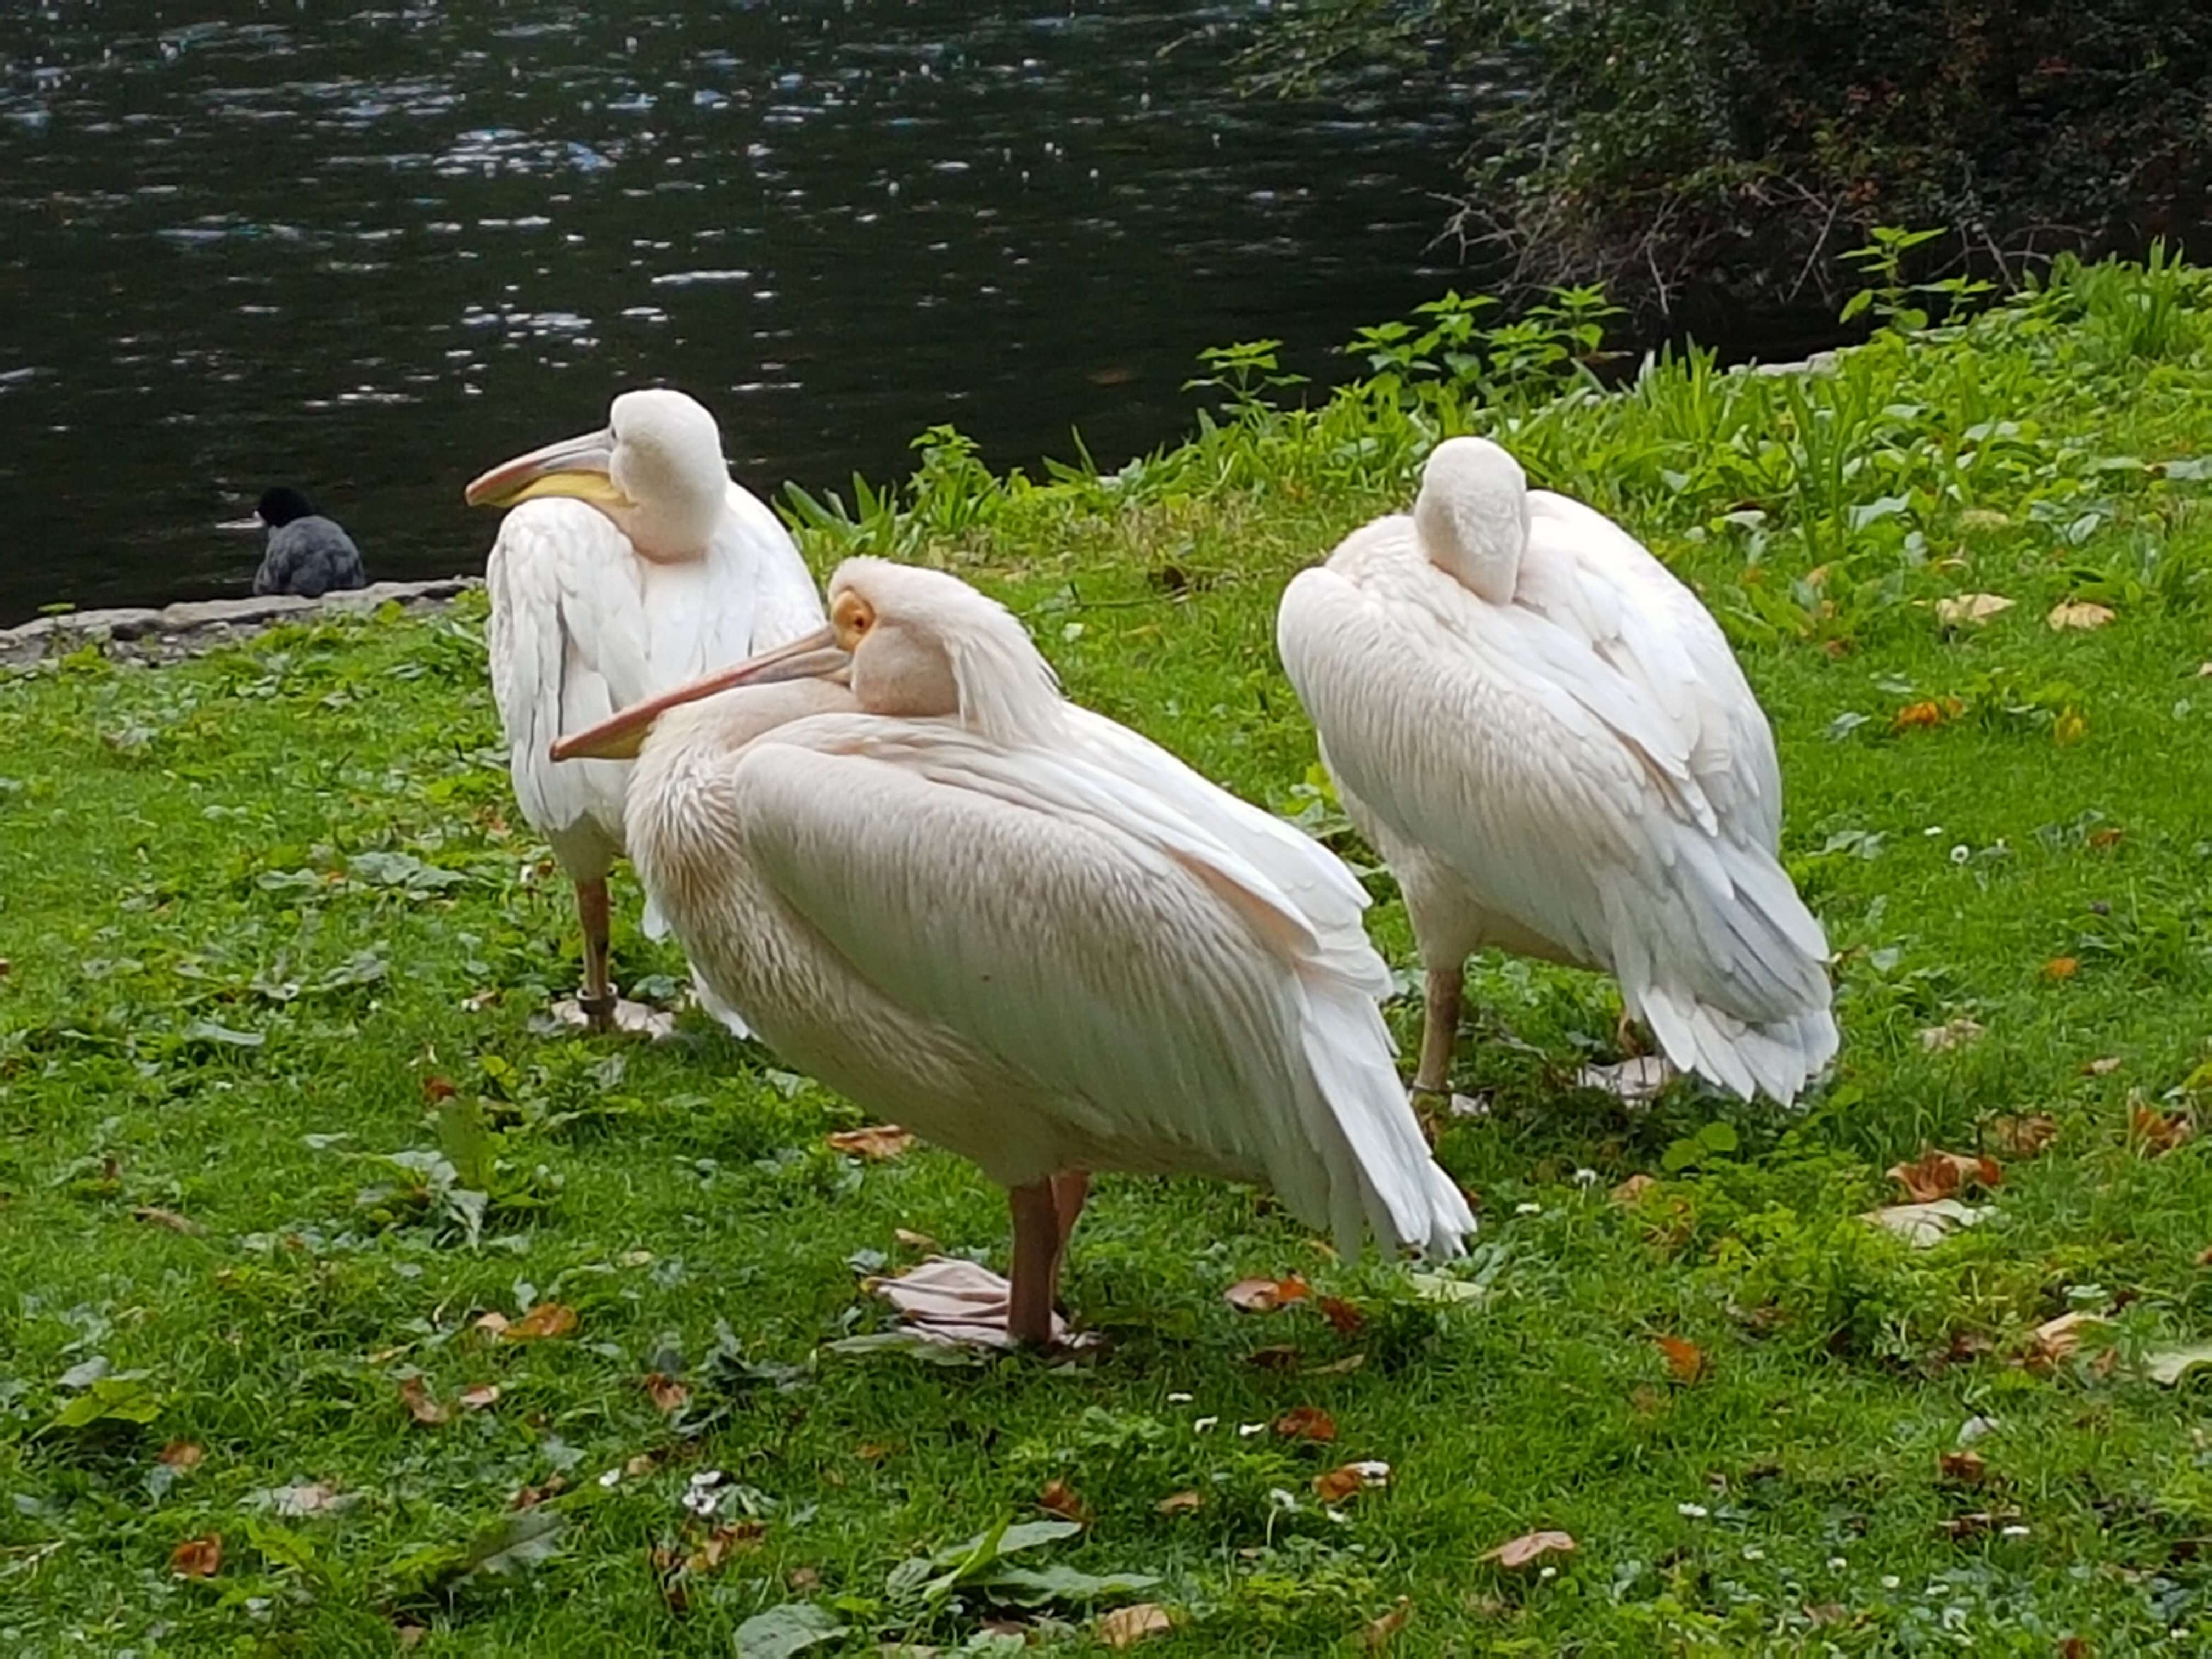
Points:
(1666, 144)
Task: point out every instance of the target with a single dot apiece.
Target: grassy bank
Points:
(276, 1132)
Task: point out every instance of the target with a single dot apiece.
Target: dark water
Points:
(369, 251)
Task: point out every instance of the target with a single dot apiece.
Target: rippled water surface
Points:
(369, 251)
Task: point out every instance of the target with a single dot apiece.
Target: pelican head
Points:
(1472, 515)
(910, 642)
(656, 470)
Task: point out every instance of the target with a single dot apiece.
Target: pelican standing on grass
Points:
(1024, 931)
(630, 562)
(1546, 736)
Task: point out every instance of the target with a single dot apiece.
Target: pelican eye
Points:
(852, 617)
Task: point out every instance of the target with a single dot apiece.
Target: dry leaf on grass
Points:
(1347, 1320)
(877, 1140)
(2158, 1132)
(482, 1397)
(157, 1216)
(914, 1241)
(1265, 1295)
(1919, 716)
(1685, 1358)
(2060, 968)
(2103, 1065)
(197, 1558)
(2056, 1340)
(1306, 1423)
(1971, 610)
(546, 1321)
(1518, 1553)
(1275, 1357)
(723, 1542)
(1335, 1486)
(1125, 1627)
(1936, 1175)
(1923, 1226)
(2170, 1365)
(1376, 1634)
(181, 1454)
(1059, 1497)
(2023, 1135)
(316, 1498)
(1966, 1468)
(420, 1404)
(1951, 1034)
(1979, 1524)
(493, 1324)
(668, 1394)
(2078, 613)
(1633, 1189)
(1180, 1503)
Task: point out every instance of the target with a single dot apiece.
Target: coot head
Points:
(281, 505)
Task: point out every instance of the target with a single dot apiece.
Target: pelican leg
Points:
(598, 1000)
(1069, 1189)
(1440, 1028)
(1038, 1240)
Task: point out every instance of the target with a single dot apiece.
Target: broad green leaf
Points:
(782, 1632)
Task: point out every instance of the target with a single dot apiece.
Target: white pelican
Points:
(630, 563)
(1546, 736)
(1024, 931)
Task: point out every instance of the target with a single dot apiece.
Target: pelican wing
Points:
(1167, 1001)
(1585, 573)
(1500, 741)
(784, 602)
(567, 639)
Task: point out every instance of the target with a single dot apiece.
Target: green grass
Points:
(236, 969)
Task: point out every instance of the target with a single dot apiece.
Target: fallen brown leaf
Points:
(1335, 1486)
(1125, 1627)
(914, 1241)
(1918, 716)
(1306, 1423)
(1275, 1357)
(1518, 1553)
(1265, 1295)
(1180, 1503)
(421, 1405)
(482, 1397)
(1633, 1189)
(315, 1497)
(2105, 838)
(2078, 613)
(2023, 1136)
(1378, 1632)
(669, 1396)
(1347, 1319)
(2056, 1340)
(2103, 1065)
(1971, 610)
(2060, 968)
(877, 1140)
(1059, 1497)
(2074, 1648)
(873, 1451)
(1951, 1034)
(438, 1088)
(197, 1558)
(1685, 1358)
(2158, 1132)
(542, 1323)
(1344, 1367)
(1979, 1524)
(493, 1324)
(158, 1217)
(720, 1545)
(2204, 1256)
(1942, 1175)
(803, 1578)
(410, 1636)
(181, 1454)
(1968, 1468)
(531, 1497)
